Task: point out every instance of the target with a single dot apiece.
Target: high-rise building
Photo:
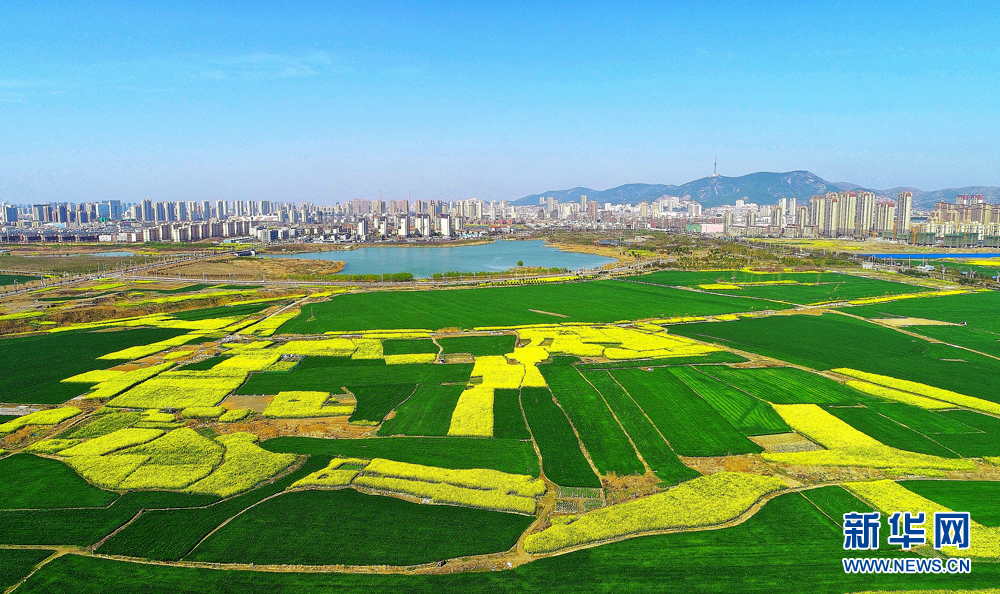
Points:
(904, 213)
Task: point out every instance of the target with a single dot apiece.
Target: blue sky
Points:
(320, 101)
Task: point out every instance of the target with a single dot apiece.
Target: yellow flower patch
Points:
(449, 494)
(924, 390)
(473, 415)
(112, 442)
(329, 347)
(515, 484)
(898, 395)
(367, 348)
(704, 501)
(848, 446)
(871, 300)
(125, 380)
(720, 287)
(232, 416)
(269, 325)
(138, 352)
(302, 404)
(95, 376)
(410, 359)
(53, 416)
(244, 466)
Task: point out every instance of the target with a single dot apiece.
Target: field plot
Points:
(704, 501)
(688, 422)
(31, 482)
(986, 443)
(977, 340)
(766, 554)
(329, 374)
(654, 449)
(786, 385)
(607, 444)
(86, 526)
(920, 420)
(30, 376)
(169, 534)
(295, 528)
(795, 287)
(976, 497)
(375, 402)
(562, 459)
(707, 359)
(408, 347)
(508, 420)
(479, 346)
(10, 279)
(597, 301)
(978, 310)
(17, 564)
(426, 413)
(831, 341)
(749, 415)
(506, 455)
(888, 431)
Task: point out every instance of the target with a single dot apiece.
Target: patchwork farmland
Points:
(698, 431)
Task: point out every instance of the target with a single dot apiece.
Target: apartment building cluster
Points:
(965, 222)
(855, 214)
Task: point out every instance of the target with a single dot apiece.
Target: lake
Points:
(423, 262)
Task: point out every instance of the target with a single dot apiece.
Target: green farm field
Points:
(598, 301)
(622, 448)
(34, 365)
(686, 420)
(831, 341)
(295, 529)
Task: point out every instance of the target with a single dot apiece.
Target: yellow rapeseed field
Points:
(303, 404)
(898, 395)
(450, 494)
(95, 376)
(924, 390)
(704, 501)
(410, 359)
(53, 416)
(138, 352)
(124, 380)
(849, 447)
(516, 484)
(473, 414)
(244, 466)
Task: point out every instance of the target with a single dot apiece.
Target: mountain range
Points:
(762, 188)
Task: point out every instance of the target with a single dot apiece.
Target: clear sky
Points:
(317, 101)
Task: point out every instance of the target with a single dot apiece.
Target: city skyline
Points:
(331, 102)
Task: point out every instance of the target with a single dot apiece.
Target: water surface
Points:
(423, 262)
